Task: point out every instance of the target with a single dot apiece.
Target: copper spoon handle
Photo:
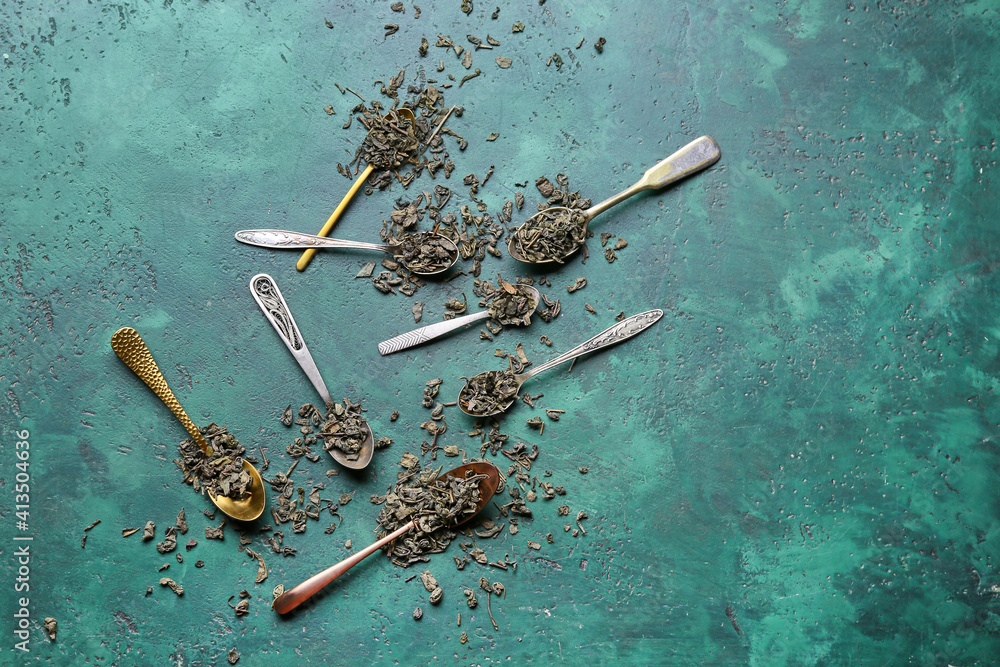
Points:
(131, 348)
(291, 599)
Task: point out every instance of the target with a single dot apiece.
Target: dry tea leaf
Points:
(233, 656)
(578, 285)
(534, 545)
(390, 29)
(517, 27)
(51, 626)
(418, 613)
(428, 580)
(397, 7)
(149, 531)
(436, 596)
(599, 44)
(174, 586)
(493, 136)
(504, 62)
(126, 532)
(329, 110)
(181, 523)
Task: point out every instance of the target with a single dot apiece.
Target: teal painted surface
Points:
(809, 436)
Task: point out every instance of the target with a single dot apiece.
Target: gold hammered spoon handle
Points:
(131, 348)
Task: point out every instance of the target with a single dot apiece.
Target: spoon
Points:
(267, 295)
(291, 599)
(431, 331)
(697, 155)
(281, 239)
(130, 348)
(627, 328)
(355, 186)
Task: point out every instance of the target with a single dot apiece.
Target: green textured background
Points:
(809, 435)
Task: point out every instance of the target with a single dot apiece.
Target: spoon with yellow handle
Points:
(131, 348)
(307, 256)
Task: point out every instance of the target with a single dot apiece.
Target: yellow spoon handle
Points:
(131, 348)
(332, 220)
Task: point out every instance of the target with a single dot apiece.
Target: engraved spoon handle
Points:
(131, 348)
(282, 239)
(700, 154)
(291, 599)
(424, 334)
(627, 328)
(267, 295)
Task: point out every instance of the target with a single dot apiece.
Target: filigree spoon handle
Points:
(267, 295)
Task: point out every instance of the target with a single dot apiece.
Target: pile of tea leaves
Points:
(551, 235)
(508, 303)
(396, 147)
(345, 429)
(426, 252)
(488, 392)
(435, 505)
(220, 474)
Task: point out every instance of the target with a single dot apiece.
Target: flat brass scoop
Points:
(432, 331)
(267, 295)
(697, 155)
(625, 329)
(130, 348)
(337, 212)
(291, 599)
(280, 239)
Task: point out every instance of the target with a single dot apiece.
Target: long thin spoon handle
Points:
(700, 154)
(291, 599)
(131, 348)
(625, 329)
(267, 295)
(332, 220)
(281, 239)
(424, 334)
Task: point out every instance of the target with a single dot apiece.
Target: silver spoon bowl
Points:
(625, 329)
(280, 239)
(697, 155)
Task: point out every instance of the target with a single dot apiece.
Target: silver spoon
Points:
(431, 331)
(267, 295)
(697, 155)
(625, 329)
(280, 239)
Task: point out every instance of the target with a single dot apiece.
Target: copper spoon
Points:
(697, 155)
(291, 599)
(130, 348)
